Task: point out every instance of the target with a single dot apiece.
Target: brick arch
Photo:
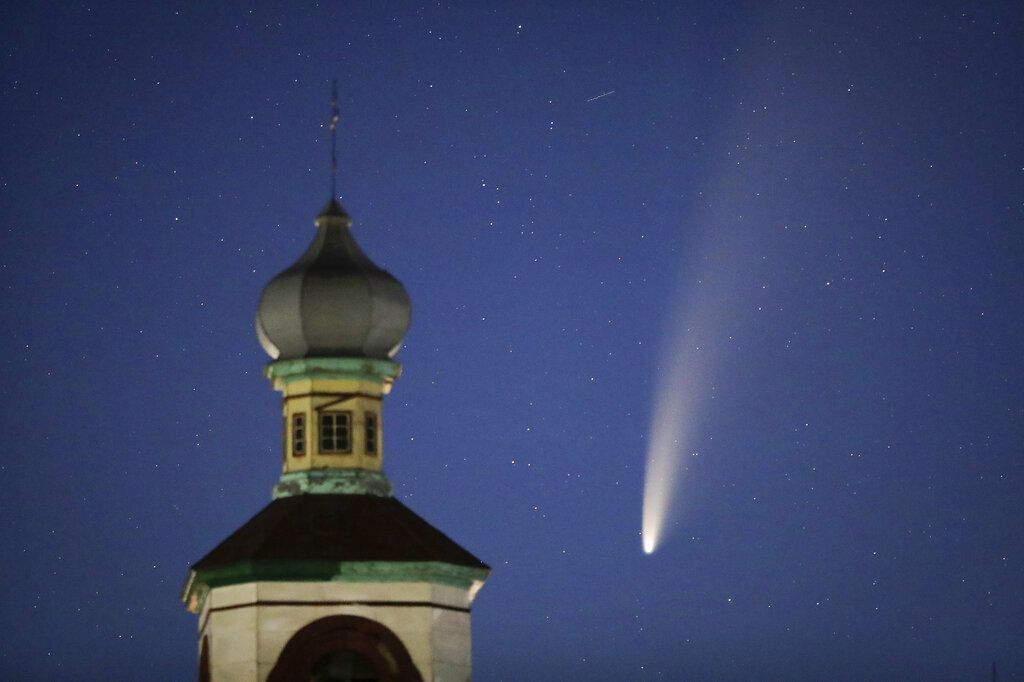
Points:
(368, 638)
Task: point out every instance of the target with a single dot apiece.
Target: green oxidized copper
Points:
(202, 581)
(360, 369)
(333, 482)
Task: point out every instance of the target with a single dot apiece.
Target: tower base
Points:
(284, 631)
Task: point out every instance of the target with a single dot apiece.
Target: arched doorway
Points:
(343, 666)
(344, 649)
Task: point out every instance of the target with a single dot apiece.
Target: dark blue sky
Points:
(836, 191)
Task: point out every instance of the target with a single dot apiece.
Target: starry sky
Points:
(820, 207)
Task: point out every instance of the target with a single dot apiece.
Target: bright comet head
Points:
(676, 405)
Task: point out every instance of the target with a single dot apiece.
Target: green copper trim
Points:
(202, 581)
(333, 482)
(360, 369)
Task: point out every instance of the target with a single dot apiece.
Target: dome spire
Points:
(333, 302)
(333, 211)
(333, 125)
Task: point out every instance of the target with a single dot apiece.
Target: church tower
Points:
(335, 579)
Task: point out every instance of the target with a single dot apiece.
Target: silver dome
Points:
(333, 302)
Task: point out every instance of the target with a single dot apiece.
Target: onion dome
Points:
(333, 302)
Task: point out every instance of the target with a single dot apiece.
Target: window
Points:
(371, 433)
(335, 432)
(298, 435)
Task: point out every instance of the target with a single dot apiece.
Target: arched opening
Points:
(204, 660)
(343, 666)
(344, 649)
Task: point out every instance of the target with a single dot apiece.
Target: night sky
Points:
(820, 208)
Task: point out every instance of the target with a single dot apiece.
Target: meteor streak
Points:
(603, 94)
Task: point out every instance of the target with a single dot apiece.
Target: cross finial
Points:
(333, 125)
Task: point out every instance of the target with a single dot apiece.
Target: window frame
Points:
(371, 434)
(347, 414)
(299, 424)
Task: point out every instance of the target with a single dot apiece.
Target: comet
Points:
(677, 404)
(690, 355)
(732, 245)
